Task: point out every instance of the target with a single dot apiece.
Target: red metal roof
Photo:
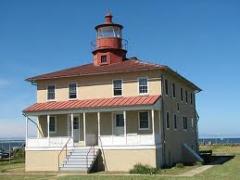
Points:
(91, 69)
(93, 103)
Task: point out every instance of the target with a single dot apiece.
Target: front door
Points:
(76, 129)
(119, 124)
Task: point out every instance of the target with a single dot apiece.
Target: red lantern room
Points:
(109, 46)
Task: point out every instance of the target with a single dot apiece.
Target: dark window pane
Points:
(75, 123)
(143, 120)
(117, 87)
(52, 124)
(72, 90)
(119, 120)
(168, 123)
(51, 92)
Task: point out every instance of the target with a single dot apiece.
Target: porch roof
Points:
(93, 103)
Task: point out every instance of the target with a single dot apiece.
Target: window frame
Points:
(183, 120)
(139, 85)
(105, 62)
(173, 90)
(166, 85)
(186, 96)
(54, 92)
(121, 87)
(168, 120)
(175, 121)
(55, 125)
(139, 128)
(181, 94)
(69, 90)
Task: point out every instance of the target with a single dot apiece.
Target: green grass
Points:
(229, 170)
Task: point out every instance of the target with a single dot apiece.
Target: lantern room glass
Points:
(109, 31)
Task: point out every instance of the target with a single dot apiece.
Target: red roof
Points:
(93, 103)
(91, 69)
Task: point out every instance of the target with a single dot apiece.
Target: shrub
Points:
(143, 169)
(179, 165)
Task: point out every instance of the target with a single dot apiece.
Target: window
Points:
(51, 92)
(173, 90)
(143, 85)
(175, 121)
(119, 120)
(52, 124)
(168, 123)
(185, 124)
(143, 120)
(117, 87)
(72, 91)
(191, 98)
(103, 59)
(192, 122)
(75, 123)
(178, 107)
(181, 94)
(186, 96)
(166, 86)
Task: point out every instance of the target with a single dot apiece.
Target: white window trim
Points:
(54, 92)
(53, 132)
(76, 90)
(138, 89)
(149, 128)
(113, 87)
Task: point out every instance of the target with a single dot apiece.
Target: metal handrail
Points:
(65, 146)
(92, 147)
(104, 159)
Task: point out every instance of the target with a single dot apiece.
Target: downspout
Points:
(163, 125)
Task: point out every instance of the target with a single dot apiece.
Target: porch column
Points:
(84, 128)
(72, 125)
(26, 135)
(153, 127)
(125, 126)
(99, 128)
(48, 123)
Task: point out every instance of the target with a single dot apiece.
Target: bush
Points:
(179, 165)
(143, 169)
(198, 163)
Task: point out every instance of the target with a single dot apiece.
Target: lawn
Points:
(229, 170)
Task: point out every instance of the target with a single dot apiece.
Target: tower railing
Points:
(95, 45)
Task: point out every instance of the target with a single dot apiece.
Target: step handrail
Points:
(101, 146)
(91, 148)
(65, 146)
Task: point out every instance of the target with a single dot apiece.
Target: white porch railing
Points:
(130, 139)
(51, 142)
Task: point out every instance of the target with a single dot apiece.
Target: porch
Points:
(108, 129)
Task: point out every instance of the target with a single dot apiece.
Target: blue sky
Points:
(199, 39)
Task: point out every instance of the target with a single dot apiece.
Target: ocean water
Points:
(6, 144)
(219, 141)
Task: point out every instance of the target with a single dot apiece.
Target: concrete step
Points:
(76, 165)
(73, 169)
(78, 159)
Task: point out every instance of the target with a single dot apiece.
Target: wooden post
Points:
(125, 126)
(99, 128)
(84, 128)
(26, 132)
(72, 125)
(48, 124)
(153, 127)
